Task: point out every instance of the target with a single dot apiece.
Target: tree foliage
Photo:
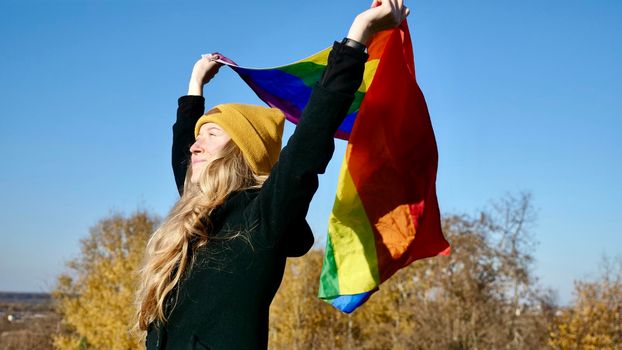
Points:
(594, 320)
(483, 296)
(96, 298)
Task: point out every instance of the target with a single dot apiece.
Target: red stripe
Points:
(393, 161)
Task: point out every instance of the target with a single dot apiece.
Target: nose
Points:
(195, 148)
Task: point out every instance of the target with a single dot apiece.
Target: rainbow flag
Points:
(385, 214)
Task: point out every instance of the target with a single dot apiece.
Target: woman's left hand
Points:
(203, 71)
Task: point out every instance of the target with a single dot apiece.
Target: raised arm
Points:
(285, 197)
(190, 108)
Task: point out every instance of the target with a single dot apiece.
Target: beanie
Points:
(256, 130)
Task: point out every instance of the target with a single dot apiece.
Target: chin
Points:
(196, 172)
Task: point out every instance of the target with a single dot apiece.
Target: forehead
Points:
(209, 126)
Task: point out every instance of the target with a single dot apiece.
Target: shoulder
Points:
(244, 196)
(239, 201)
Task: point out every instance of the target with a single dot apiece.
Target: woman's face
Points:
(211, 140)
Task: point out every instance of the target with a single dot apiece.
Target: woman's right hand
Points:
(202, 72)
(383, 14)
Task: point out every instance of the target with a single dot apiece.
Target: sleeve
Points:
(339, 74)
(189, 110)
(284, 199)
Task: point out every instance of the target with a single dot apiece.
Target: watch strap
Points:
(354, 44)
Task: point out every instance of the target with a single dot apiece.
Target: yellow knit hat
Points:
(256, 130)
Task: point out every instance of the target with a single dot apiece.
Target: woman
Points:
(213, 267)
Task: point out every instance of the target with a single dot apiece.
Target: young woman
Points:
(214, 265)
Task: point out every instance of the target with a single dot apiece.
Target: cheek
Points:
(217, 147)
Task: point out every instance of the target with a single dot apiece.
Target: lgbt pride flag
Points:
(385, 214)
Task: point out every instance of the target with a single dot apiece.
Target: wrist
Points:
(360, 31)
(354, 44)
(194, 80)
(195, 88)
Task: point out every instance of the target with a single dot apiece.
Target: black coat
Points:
(224, 300)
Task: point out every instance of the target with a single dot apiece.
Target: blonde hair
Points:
(170, 249)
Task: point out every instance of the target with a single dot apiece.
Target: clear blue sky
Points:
(524, 95)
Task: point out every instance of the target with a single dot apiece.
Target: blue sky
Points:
(523, 96)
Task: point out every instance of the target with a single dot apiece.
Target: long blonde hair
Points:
(170, 249)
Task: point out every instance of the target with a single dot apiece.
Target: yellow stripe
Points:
(320, 58)
(353, 239)
(368, 76)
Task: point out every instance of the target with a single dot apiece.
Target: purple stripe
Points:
(284, 91)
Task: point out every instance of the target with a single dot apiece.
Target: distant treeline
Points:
(19, 297)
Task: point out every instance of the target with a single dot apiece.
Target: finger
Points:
(396, 9)
(405, 12)
(375, 3)
(210, 56)
(393, 5)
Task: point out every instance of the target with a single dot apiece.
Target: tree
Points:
(298, 319)
(96, 298)
(483, 296)
(594, 320)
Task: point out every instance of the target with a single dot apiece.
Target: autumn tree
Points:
(96, 296)
(483, 296)
(298, 319)
(594, 319)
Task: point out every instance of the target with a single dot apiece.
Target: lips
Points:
(196, 161)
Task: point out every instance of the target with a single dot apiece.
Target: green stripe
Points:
(358, 98)
(329, 285)
(308, 72)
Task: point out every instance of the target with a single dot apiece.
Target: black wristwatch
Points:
(354, 44)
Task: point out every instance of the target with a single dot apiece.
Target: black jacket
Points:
(225, 298)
